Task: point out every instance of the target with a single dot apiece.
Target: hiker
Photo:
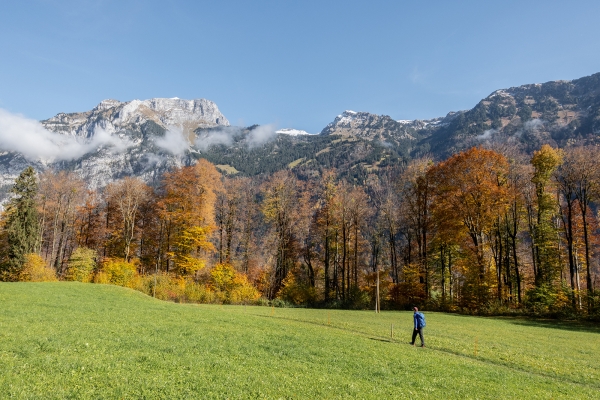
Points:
(419, 319)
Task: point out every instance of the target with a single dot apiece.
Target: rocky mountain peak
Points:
(114, 116)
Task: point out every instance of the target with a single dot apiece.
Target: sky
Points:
(291, 64)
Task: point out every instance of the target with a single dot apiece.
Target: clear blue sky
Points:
(296, 64)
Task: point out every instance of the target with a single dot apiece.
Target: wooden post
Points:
(377, 303)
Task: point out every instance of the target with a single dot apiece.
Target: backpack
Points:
(421, 320)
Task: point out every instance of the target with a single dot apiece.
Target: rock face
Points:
(140, 137)
(114, 116)
(368, 126)
(559, 113)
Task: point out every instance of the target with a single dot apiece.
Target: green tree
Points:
(81, 265)
(21, 224)
(546, 255)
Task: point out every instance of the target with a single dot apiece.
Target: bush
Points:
(164, 286)
(281, 303)
(546, 300)
(81, 265)
(297, 293)
(262, 301)
(232, 287)
(242, 291)
(118, 272)
(35, 270)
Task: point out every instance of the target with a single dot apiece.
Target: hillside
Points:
(69, 340)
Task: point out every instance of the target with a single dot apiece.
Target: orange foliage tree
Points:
(470, 193)
(187, 211)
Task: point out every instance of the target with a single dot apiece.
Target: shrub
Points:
(35, 270)
(281, 303)
(119, 272)
(81, 265)
(198, 293)
(222, 276)
(547, 300)
(231, 286)
(297, 293)
(242, 290)
(262, 301)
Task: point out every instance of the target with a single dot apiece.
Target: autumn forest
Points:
(489, 230)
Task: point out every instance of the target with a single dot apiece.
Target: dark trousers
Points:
(420, 332)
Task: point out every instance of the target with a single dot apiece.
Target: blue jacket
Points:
(419, 320)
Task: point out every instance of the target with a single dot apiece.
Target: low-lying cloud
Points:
(222, 136)
(30, 138)
(255, 137)
(487, 134)
(261, 135)
(531, 126)
(173, 141)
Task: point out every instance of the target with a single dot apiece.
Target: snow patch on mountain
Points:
(292, 132)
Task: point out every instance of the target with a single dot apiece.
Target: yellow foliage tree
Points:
(118, 272)
(232, 286)
(81, 265)
(187, 209)
(35, 270)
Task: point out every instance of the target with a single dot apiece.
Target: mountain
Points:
(146, 138)
(116, 139)
(114, 116)
(560, 113)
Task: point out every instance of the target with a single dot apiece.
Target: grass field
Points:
(71, 340)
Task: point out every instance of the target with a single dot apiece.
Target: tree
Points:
(279, 208)
(81, 265)
(21, 225)
(187, 210)
(545, 162)
(471, 189)
(60, 195)
(415, 192)
(584, 165)
(325, 221)
(128, 196)
(35, 270)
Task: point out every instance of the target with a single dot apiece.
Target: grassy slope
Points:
(69, 340)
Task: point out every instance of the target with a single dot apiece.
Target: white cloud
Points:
(533, 125)
(214, 137)
(30, 138)
(173, 141)
(261, 135)
(225, 136)
(487, 134)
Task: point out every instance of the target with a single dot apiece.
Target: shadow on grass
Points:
(381, 340)
(579, 326)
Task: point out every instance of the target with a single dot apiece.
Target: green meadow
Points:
(72, 340)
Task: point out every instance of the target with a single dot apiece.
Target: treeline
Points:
(489, 231)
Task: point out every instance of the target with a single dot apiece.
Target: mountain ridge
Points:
(148, 137)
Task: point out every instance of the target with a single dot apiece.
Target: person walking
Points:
(419, 323)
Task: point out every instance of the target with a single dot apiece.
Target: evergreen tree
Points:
(21, 224)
